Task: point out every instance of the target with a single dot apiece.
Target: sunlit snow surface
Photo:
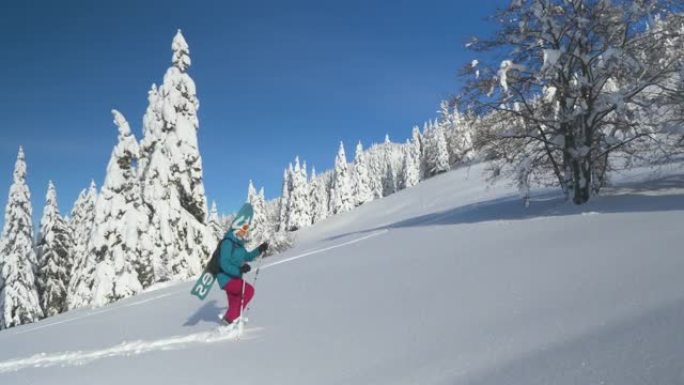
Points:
(449, 282)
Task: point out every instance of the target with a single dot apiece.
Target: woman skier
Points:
(233, 260)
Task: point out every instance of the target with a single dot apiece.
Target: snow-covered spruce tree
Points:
(389, 182)
(214, 222)
(118, 223)
(437, 156)
(81, 223)
(410, 175)
(578, 75)
(416, 153)
(19, 302)
(318, 196)
(152, 128)
(299, 215)
(179, 115)
(401, 173)
(342, 199)
(448, 120)
(456, 133)
(426, 149)
(272, 210)
(361, 180)
(278, 241)
(259, 221)
(285, 198)
(376, 169)
(178, 241)
(54, 248)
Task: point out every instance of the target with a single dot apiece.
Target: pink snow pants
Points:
(234, 292)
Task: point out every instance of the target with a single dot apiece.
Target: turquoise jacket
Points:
(233, 255)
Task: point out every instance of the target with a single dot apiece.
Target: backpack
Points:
(214, 265)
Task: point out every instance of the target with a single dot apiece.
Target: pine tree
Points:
(81, 224)
(54, 248)
(342, 199)
(417, 151)
(177, 239)
(442, 154)
(152, 131)
(118, 223)
(389, 183)
(426, 151)
(298, 211)
(215, 222)
(436, 154)
(456, 132)
(361, 180)
(285, 198)
(318, 196)
(411, 166)
(179, 115)
(261, 227)
(278, 241)
(376, 170)
(19, 302)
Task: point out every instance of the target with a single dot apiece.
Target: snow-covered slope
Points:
(449, 282)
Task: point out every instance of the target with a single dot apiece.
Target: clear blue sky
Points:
(275, 79)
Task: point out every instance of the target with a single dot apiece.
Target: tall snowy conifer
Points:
(411, 167)
(456, 133)
(376, 170)
(260, 227)
(427, 143)
(442, 153)
(285, 198)
(179, 114)
(417, 151)
(215, 222)
(361, 180)
(82, 222)
(389, 185)
(342, 199)
(157, 194)
(436, 154)
(19, 302)
(118, 223)
(54, 248)
(318, 197)
(178, 240)
(298, 210)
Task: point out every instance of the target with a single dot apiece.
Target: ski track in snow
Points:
(110, 309)
(380, 232)
(139, 347)
(124, 349)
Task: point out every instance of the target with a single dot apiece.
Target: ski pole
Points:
(243, 312)
(256, 276)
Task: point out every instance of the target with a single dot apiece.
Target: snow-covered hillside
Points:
(449, 282)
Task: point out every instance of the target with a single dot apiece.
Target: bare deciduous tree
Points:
(568, 85)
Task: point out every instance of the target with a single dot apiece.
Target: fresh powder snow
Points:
(450, 281)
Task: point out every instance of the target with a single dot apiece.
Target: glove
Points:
(245, 268)
(263, 247)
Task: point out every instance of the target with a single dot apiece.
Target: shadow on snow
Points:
(652, 196)
(207, 313)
